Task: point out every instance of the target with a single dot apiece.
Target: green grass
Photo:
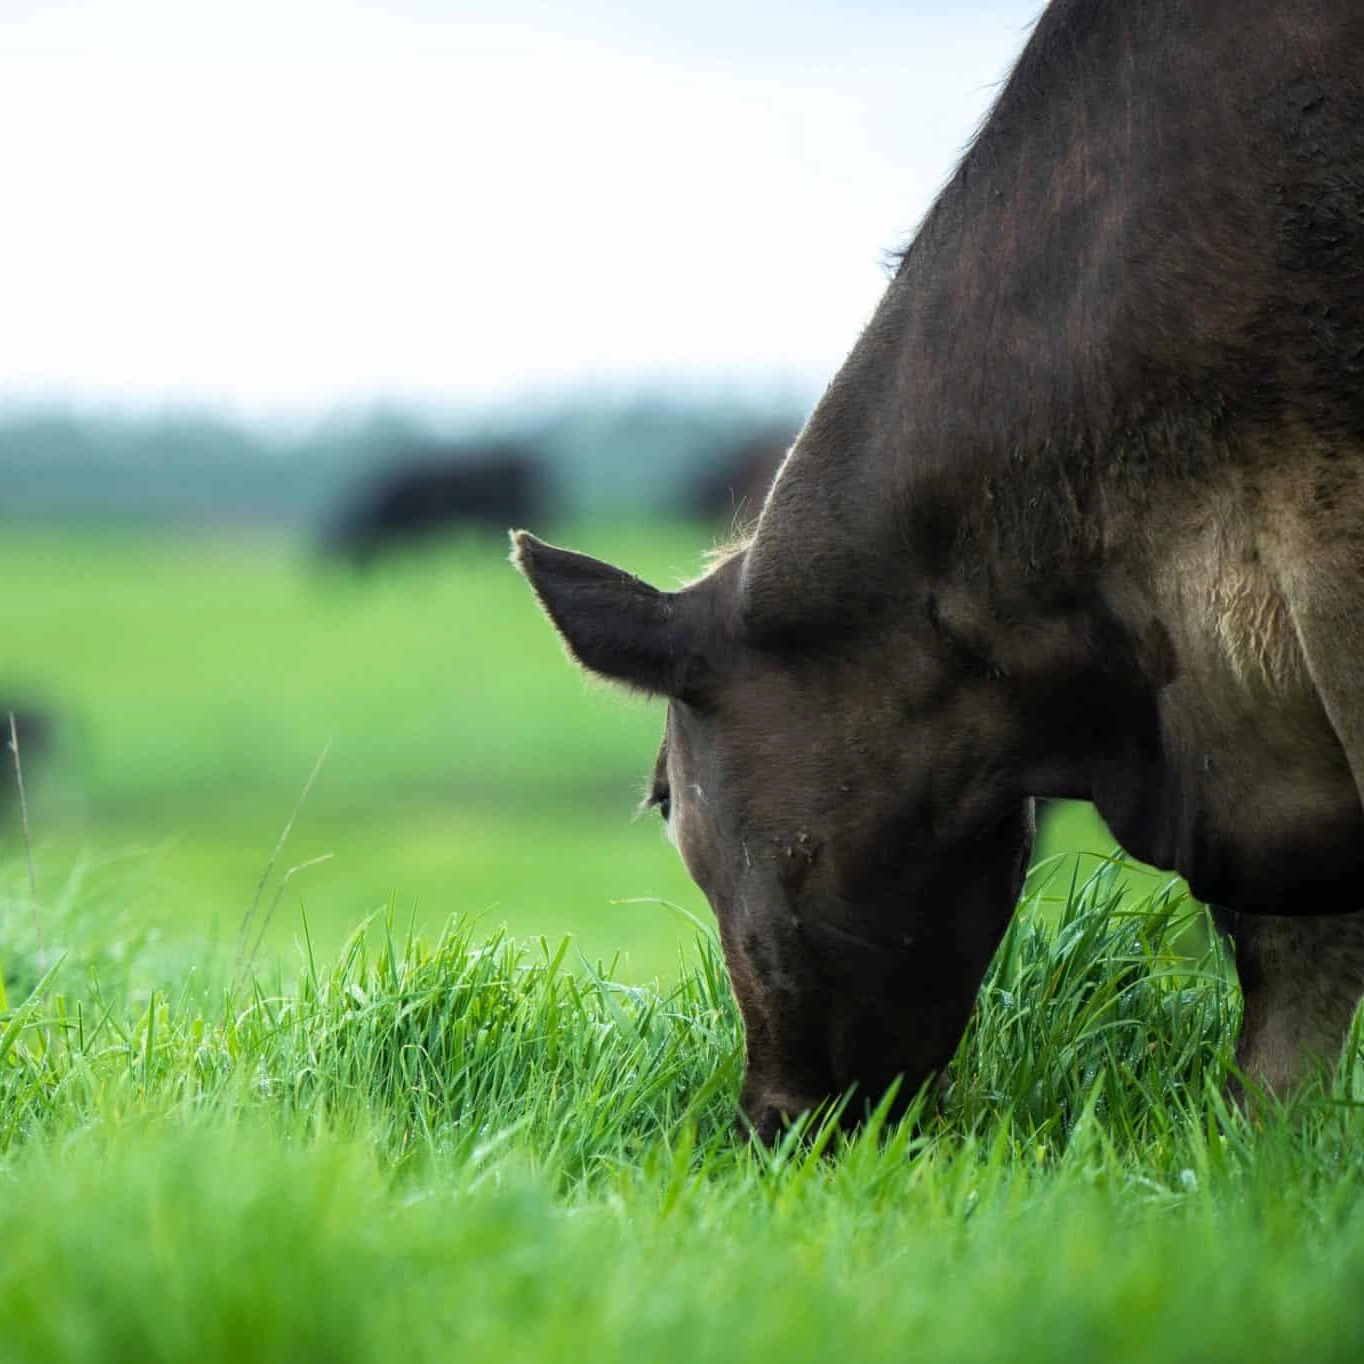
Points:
(464, 1149)
(198, 679)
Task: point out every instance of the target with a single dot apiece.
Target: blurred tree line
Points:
(65, 466)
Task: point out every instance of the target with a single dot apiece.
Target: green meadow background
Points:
(196, 680)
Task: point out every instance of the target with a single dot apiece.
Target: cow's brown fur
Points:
(1082, 515)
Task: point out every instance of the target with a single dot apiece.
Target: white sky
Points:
(280, 205)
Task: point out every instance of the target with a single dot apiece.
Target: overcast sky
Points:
(281, 205)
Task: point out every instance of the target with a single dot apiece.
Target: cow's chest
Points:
(1251, 798)
(1247, 791)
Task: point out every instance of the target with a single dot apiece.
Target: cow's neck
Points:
(1023, 380)
(882, 515)
(1031, 359)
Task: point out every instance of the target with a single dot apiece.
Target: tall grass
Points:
(440, 1046)
(476, 1148)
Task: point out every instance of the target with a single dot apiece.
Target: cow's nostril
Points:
(767, 1120)
(766, 1125)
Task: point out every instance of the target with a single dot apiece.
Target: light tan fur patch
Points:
(1223, 592)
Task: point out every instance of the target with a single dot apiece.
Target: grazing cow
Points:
(430, 495)
(735, 489)
(1081, 515)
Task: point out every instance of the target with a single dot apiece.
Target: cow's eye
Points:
(665, 804)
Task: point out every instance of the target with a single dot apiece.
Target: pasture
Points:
(197, 682)
(425, 1124)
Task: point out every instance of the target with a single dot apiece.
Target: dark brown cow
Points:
(1082, 515)
(433, 494)
(34, 727)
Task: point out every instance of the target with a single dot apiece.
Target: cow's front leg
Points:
(1301, 978)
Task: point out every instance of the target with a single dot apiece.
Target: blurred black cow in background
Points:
(734, 489)
(34, 727)
(433, 493)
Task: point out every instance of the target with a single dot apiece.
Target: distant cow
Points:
(34, 727)
(732, 491)
(431, 494)
(1082, 515)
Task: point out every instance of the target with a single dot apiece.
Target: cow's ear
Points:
(614, 624)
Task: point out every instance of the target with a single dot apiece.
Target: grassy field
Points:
(461, 1149)
(197, 681)
(404, 1131)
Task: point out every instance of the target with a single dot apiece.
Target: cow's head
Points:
(836, 795)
